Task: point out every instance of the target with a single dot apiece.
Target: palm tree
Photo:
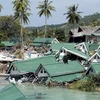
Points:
(73, 15)
(0, 7)
(45, 8)
(21, 8)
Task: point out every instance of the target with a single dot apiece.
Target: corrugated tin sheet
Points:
(7, 43)
(62, 69)
(31, 65)
(58, 46)
(41, 40)
(96, 67)
(70, 47)
(11, 92)
(67, 78)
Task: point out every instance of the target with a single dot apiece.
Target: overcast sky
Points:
(85, 6)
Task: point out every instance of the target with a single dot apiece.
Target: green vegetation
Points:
(9, 29)
(10, 25)
(0, 7)
(22, 9)
(72, 15)
(92, 83)
(45, 8)
(87, 20)
(2, 45)
(60, 31)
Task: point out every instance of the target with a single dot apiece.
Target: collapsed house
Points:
(56, 47)
(85, 34)
(29, 66)
(94, 68)
(82, 52)
(70, 51)
(35, 69)
(67, 57)
(87, 47)
(91, 49)
(95, 57)
(59, 72)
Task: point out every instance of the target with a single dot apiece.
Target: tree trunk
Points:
(45, 28)
(21, 35)
(22, 44)
(73, 32)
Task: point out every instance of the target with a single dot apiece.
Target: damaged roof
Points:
(11, 92)
(96, 67)
(69, 47)
(58, 46)
(61, 68)
(91, 47)
(67, 78)
(31, 65)
(85, 30)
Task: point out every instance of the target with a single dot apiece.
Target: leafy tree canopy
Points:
(9, 29)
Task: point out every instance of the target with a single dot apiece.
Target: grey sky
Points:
(86, 6)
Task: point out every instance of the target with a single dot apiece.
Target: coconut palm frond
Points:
(45, 9)
(73, 15)
(0, 7)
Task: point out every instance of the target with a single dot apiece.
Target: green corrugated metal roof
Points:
(78, 53)
(66, 78)
(70, 47)
(7, 43)
(58, 46)
(41, 40)
(96, 67)
(36, 44)
(91, 47)
(98, 52)
(31, 65)
(60, 68)
(11, 92)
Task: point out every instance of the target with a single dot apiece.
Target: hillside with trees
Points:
(10, 29)
(57, 30)
(90, 19)
(86, 20)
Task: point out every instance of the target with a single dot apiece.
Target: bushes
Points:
(87, 85)
(92, 83)
(96, 79)
(2, 45)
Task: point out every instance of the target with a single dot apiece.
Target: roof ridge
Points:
(27, 60)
